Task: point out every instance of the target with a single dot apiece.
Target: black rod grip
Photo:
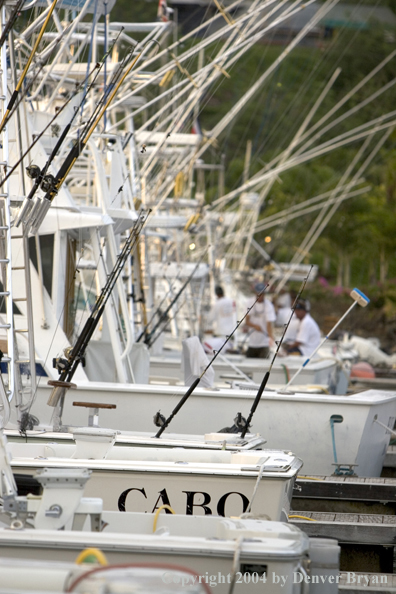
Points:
(256, 402)
(178, 406)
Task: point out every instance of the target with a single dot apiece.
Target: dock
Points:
(348, 528)
(367, 541)
(359, 512)
(345, 494)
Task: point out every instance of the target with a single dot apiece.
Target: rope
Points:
(235, 563)
(111, 568)
(319, 387)
(302, 517)
(83, 557)
(260, 474)
(286, 370)
(157, 513)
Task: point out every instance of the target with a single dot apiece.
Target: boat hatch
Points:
(270, 465)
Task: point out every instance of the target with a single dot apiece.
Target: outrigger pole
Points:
(163, 423)
(267, 373)
(37, 137)
(359, 298)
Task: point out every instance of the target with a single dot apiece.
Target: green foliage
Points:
(362, 228)
(135, 11)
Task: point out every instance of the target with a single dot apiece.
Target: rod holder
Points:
(42, 211)
(57, 400)
(24, 212)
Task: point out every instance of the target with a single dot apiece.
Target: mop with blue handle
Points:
(358, 298)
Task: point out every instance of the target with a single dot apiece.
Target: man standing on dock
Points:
(260, 321)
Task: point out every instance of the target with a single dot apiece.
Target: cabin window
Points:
(47, 258)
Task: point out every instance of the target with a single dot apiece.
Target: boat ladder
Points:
(16, 317)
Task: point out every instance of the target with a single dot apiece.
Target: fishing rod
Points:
(20, 98)
(98, 66)
(113, 81)
(163, 423)
(11, 21)
(149, 336)
(267, 373)
(359, 298)
(41, 134)
(167, 321)
(14, 95)
(37, 137)
(231, 364)
(158, 309)
(34, 171)
(74, 355)
(54, 183)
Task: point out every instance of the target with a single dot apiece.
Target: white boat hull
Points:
(191, 482)
(274, 553)
(295, 422)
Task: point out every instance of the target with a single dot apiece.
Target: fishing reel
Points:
(159, 419)
(49, 183)
(60, 364)
(239, 425)
(240, 422)
(33, 171)
(65, 363)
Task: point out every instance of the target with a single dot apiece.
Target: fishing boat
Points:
(91, 198)
(255, 554)
(191, 481)
(59, 523)
(344, 428)
(142, 578)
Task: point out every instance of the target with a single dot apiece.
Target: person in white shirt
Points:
(308, 333)
(223, 320)
(283, 308)
(260, 322)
